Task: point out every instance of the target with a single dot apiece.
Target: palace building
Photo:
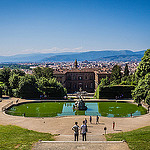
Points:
(74, 79)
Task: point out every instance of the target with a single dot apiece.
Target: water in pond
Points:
(51, 109)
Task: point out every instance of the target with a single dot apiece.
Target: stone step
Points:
(81, 145)
(88, 137)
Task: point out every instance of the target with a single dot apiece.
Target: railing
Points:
(6, 106)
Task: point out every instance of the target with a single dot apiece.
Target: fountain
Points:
(80, 104)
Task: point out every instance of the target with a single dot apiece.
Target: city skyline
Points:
(73, 26)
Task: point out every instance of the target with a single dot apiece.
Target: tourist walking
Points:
(90, 119)
(75, 128)
(83, 131)
(97, 119)
(113, 125)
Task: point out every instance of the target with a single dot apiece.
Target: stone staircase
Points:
(81, 145)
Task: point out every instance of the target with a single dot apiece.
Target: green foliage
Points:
(142, 76)
(16, 83)
(43, 72)
(27, 87)
(15, 78)
(96, 95)
(142, 90)
(104, 82)
(14, 66)
(126, 70)
(13, 137)
(116, 75)
(136, 139)
(128, 80)
(113, 91)
(144, 66)
(4, 76)
(51, 87)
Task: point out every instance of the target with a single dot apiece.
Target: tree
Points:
(144, 66)
(18, 72)
(15, 78)
(28, 87)
(142, 90)
(104, 81)
(51, 87)
(43, 72)
(116, 75)
(4, 76)
(142, 76)
(126, 70)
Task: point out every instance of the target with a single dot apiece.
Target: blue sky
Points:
(30, 26)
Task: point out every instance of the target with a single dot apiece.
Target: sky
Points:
(49, 26)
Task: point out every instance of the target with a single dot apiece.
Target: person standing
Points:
(83, 131)
(75, 128)
(97, 119)
(90, 119)
(113, 125)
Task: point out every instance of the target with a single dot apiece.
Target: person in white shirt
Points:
(76, 128)
(83, 131)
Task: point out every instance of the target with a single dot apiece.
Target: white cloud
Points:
(52, 50)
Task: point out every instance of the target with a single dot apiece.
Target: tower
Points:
(75, 64)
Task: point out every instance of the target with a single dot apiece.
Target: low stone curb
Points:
(109, 142)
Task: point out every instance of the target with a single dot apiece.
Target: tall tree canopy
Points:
(15, 77)
(126, 70)
(43, 72)
(28, 87)
(144, 66)
(116, 75)
(142, 90)
(4, 76)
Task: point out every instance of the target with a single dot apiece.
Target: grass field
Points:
(137, 139)
(51, 109)
(14, 137)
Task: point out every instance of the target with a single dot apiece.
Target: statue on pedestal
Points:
(80, 104)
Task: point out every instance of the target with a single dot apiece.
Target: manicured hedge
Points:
(113, 91)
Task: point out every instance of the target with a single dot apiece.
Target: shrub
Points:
(113, 91)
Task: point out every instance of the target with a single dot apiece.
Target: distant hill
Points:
(94, 55)
(122, 58)
(34, 57)
(108, 55)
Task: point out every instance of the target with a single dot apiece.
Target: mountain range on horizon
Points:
(107, 55)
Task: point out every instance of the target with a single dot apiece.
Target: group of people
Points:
(97, 119)
(83, 130)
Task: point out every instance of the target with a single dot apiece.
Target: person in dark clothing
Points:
(75, 128)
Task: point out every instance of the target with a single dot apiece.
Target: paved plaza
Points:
(62, 126)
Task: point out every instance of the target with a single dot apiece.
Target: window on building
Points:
(74, 86)
(69, 77)
(91, 85)
(80, 78)
(86, 86)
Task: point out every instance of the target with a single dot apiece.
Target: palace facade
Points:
(74, 79)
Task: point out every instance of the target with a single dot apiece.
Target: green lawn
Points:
(14, 137)
(52, 109)
(137, 139)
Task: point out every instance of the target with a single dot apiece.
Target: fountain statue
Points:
(80, 104)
